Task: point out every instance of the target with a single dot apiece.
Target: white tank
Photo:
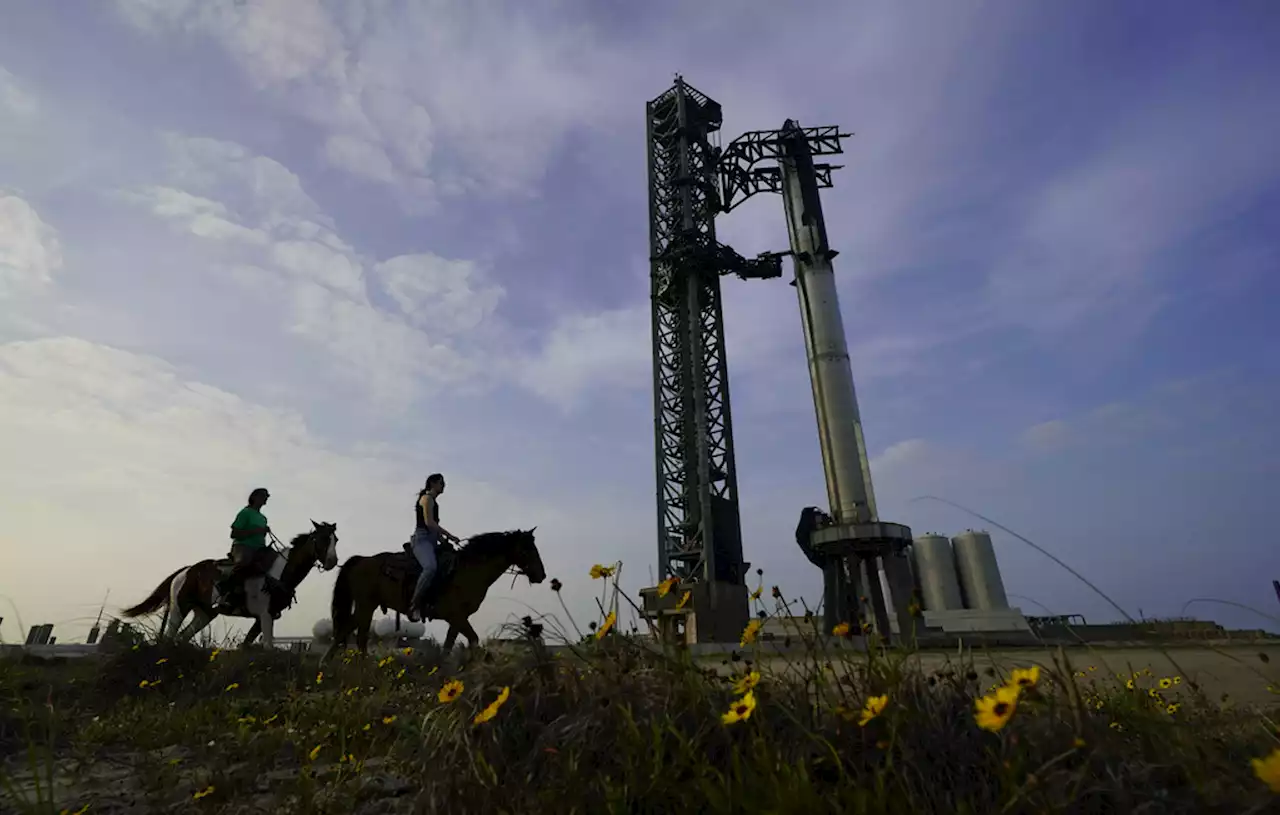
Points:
(934, 564)
(385, 628)
(980, 580)
(322, 631)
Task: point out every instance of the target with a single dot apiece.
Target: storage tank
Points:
(385, 628)
(322, 631)
(980, 580)
(934, 565)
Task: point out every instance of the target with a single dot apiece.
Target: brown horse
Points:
(386, 580)
(191, 587)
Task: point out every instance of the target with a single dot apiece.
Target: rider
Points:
(249, 548)
(427, 534)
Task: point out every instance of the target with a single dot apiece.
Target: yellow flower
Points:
(407, 651)
(400, 673)
(319, 677)
(755, 595)
(598, 571)
(741, 709)
(993, 712)
(385, 661)
(749, 633)
(315, 751)
(1173, 708)
(451, 691)
(1077, 743)
(388, 719)
(204, 792)
(366, 727)
(146, 683)
(246, 720)
(1129, 684)
(1177, 680)
(841, 630)
(1023, 678)
(665, 587)
(684, 600)
(1166, 683)
(1116, 726)
(1268, 769)
(746, 683)
(874, 706)
(606, 626)
(162, 660)
(271, 718)
(214, 654)
(233, 686)
(492, 710)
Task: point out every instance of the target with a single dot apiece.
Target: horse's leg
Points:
(473, 639)
(450, 638)
(199, 621)
(177, 608)
(254, 631)
(364, 617)
(259, 605)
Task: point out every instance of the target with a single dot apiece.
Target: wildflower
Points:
(407, 651)
(1172, 708)
(451, 691)
(492, 710)
(741, 709)
(874, 706)
(749, 633)
(1129, 684)
(207, 791)
(146, 683)
(556, 585)
(1077, 743)
(1116, 726)
(841, 630)
(746, 683)
(1268, 769)
(232, 686)
(388, 719)
(993, 712)
(684, 600)
(866, 628)
(665, 587)
(315, 751)
(162, 660)
(598, 571)
(1177, 680)
(777, 593)
(433, 670)
(755, 595)
(246, 720)
(400, 673)
(385, 661)
(1166, 683)
(319, 677)
(608, 624)
(271, 718)
(1023, 678)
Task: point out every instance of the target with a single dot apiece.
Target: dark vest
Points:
(417, 512)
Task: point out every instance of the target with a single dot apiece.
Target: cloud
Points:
(1047, 436)
(437, 294)
(602, 354)
(30, 253)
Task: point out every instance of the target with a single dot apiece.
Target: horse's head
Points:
(525, 555)
(323, 540)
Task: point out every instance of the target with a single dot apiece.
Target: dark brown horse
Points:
(191, 588)
(386, 581)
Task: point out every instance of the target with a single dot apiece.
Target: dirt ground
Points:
(1244, 673)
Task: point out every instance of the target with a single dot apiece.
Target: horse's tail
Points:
(340, 611)
(154, 600)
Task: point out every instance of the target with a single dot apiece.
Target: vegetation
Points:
(609, 725)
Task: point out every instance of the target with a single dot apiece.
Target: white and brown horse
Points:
(190, 589)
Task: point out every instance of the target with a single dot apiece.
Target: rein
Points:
(512, 570)
(282, 549)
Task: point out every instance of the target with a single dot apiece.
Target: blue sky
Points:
(331, 247)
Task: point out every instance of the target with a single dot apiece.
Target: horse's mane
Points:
(301, 537)
(493, 543)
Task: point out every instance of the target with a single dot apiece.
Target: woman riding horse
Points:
(427, 534)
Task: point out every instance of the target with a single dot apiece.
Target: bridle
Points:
(282, 549)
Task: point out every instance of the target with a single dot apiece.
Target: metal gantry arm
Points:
(740, 178)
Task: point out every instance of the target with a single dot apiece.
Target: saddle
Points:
(404, 568)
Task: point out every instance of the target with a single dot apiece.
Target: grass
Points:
(610, 725)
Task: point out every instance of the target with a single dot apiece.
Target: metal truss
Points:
(699, 536)
(740, 178)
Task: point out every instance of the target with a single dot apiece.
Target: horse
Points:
(387, 579)
(191, 588)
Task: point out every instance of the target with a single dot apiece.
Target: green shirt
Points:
(250, 518)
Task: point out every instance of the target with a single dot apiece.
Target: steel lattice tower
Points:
(699, 537)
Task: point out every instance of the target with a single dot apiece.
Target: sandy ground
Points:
(1238, 671)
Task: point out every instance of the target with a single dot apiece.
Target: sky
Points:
(331, 246)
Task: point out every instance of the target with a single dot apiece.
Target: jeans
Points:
(424, 549)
